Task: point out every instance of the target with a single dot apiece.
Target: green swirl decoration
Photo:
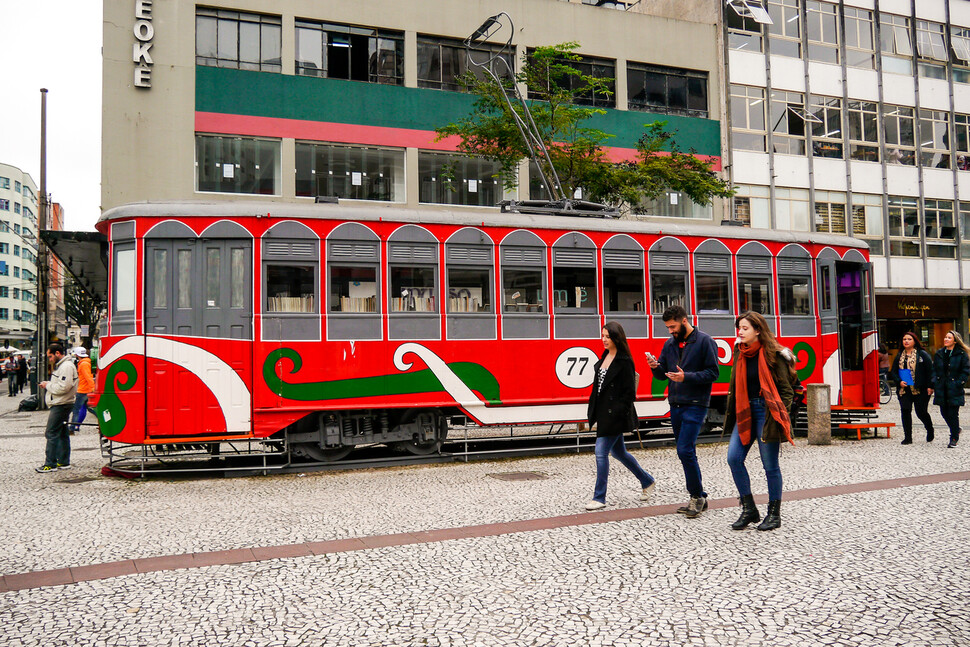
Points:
(475, 377)
(806, 371)
(110, 410)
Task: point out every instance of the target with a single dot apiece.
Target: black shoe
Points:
(953, 443)
(929, 436)
(749, 513)
(907, 441)
(773, 518)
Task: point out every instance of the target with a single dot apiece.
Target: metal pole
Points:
(40, 355)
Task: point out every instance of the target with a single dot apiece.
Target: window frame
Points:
(265, 26)
(339, 36)
(690, 77)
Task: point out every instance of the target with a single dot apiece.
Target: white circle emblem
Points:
(574, 367)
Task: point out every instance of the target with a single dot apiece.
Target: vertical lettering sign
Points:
(144, 33)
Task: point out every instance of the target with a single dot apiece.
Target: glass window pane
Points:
(468, 290)
(205, 36)
(160, 280)
(353, 289)
(412, 289)
(794, 295)
(713, 294)
(290, 288)
(522, 290)
(668, 290)
(574, 287)
(237, 298)
(269, 44)
(249, 42)
(124, 280)
(213, 260)
(623, 290)
(185, 278)
(754, 294)
(227, 40)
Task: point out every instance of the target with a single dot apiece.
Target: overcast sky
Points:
(54, 44)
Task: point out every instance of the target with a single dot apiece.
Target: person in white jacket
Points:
(61, 389)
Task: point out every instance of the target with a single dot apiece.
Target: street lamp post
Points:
(42, 268)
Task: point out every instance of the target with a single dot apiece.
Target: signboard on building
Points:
(144, 31)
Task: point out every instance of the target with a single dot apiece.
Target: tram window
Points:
(754, 293)
(213, 261)
(160, 300)
(825, 293)
(353, 289)
(574, 288)
(668, 290)
(794, 295)
(185, 278)
(125, 280)
(237, 298)
(713, 293)
(623, 290)
(523, 290)
(468, 290)
(290, 288)
(412, 289)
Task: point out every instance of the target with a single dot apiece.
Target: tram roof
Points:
(469, 217)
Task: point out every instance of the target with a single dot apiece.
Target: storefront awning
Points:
(84, 255)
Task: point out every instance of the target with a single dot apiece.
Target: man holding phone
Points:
(689, 361)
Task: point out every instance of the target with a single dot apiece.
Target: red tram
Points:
(334, 326)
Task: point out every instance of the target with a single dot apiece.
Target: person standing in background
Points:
(60, 400)
(10, 370)
(912, 370)
(951, 369)
(21, 373)
(85, 385)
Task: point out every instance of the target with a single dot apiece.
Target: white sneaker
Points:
(648, 492)
(595, 505)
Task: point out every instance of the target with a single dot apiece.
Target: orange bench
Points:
(869, 425)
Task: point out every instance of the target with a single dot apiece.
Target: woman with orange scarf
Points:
(757, 410)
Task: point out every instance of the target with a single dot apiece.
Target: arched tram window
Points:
(668, 280)
(523, 260)
(623, 294)
(574, 287)
(353, 277)
(469, 269)
(291, 271)
(795, 291)
(754, 281)
(412, 254)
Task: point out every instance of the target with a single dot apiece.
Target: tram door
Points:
(198, 294)
(828, 314)
(855, 332)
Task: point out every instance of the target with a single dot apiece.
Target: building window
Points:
(822, 25)
(752, 206)
(237, 165)
(792, 210)
(347, 52)
(16, 272)
(16, 207)
(859, 38)
(788, 122)
(903, 226)
(931, 47)
(16, 228)
(4, 291)
(867, 221)
(894, 40)
(441, 63)
(599, 68)
(962, 123)
(458, 179)
(673, 204)
(934, 133)
(960, 49)
(16, 186)
(16, 293)
(965, 230)
(827, 127)
(667, 90)
(16, 250)
(4, 182)
(4, 204)
(830, 212)
(4, 313)
(238, 40)
(748, 118)
(900, 129)
(349, 172)
(785, 31)
(941, 232)
(744, 32)
(863, 131)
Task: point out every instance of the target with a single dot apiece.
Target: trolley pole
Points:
(42, 263)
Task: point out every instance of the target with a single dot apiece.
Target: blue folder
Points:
(906, 376)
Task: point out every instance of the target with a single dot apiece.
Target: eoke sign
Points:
(144, 33)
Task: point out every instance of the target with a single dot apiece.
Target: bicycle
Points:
(885, 390)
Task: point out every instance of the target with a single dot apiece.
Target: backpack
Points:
(28, 404)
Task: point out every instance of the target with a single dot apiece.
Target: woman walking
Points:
(912, 370)
(611, 409)
(757, 410)
(951, 368)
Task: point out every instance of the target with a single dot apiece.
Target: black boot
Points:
(773, 518)
(929, 436)
(749, 513)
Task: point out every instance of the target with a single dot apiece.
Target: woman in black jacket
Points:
(951, 369)
(912, 370)
(611, 409)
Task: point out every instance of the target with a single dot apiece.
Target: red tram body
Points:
(347, 325)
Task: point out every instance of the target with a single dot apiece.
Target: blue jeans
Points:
(58, 442)
(80, 411)
(687, 421)
(769, 455)
(606, 445)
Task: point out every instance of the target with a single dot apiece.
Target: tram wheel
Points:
(314, 452)
(424, 417)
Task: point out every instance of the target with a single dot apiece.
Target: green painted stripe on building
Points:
(264, 94)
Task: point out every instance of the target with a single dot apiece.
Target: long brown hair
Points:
(958, 341)
(769, 344)
(618, 337)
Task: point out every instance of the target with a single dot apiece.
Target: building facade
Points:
(295, 100)
(853, 117)
(18, 257)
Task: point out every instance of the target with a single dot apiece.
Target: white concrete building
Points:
(18, 256)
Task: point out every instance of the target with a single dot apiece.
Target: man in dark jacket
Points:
(689, 361)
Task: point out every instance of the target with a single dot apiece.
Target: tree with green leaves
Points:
(558, 91)
(82, 310)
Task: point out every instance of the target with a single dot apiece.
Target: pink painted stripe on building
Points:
(225, 124)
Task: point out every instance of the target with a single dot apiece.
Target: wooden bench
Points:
(869, 425)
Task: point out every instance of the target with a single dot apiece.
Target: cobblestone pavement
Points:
(885, 567)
